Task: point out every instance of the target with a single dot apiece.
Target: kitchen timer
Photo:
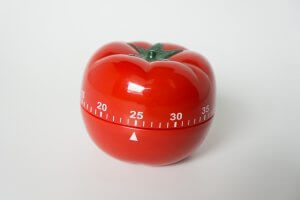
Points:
(150, 104)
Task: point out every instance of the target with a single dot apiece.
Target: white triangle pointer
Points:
(133, 137)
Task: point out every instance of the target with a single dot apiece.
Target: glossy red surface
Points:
(167, 104)
(153, 146)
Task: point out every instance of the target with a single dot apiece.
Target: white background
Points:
(252, 150)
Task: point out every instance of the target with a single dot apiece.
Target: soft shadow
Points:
(228, 112)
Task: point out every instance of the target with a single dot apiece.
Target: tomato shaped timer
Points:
(145, 103)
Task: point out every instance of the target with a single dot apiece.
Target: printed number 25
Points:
(136, 115)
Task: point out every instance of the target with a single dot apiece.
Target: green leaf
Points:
(155, 53)
(138, 49)
(156, 47)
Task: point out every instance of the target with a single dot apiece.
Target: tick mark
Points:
(175, 124)
(100, 114)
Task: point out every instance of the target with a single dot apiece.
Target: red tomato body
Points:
(148, 104)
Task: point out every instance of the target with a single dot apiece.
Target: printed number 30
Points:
(175, 116)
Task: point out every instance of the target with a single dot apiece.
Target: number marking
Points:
(136, 115)
(205, 109)
(175, 116)
(101, 106)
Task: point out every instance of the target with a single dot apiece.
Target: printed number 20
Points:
(101, 106)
